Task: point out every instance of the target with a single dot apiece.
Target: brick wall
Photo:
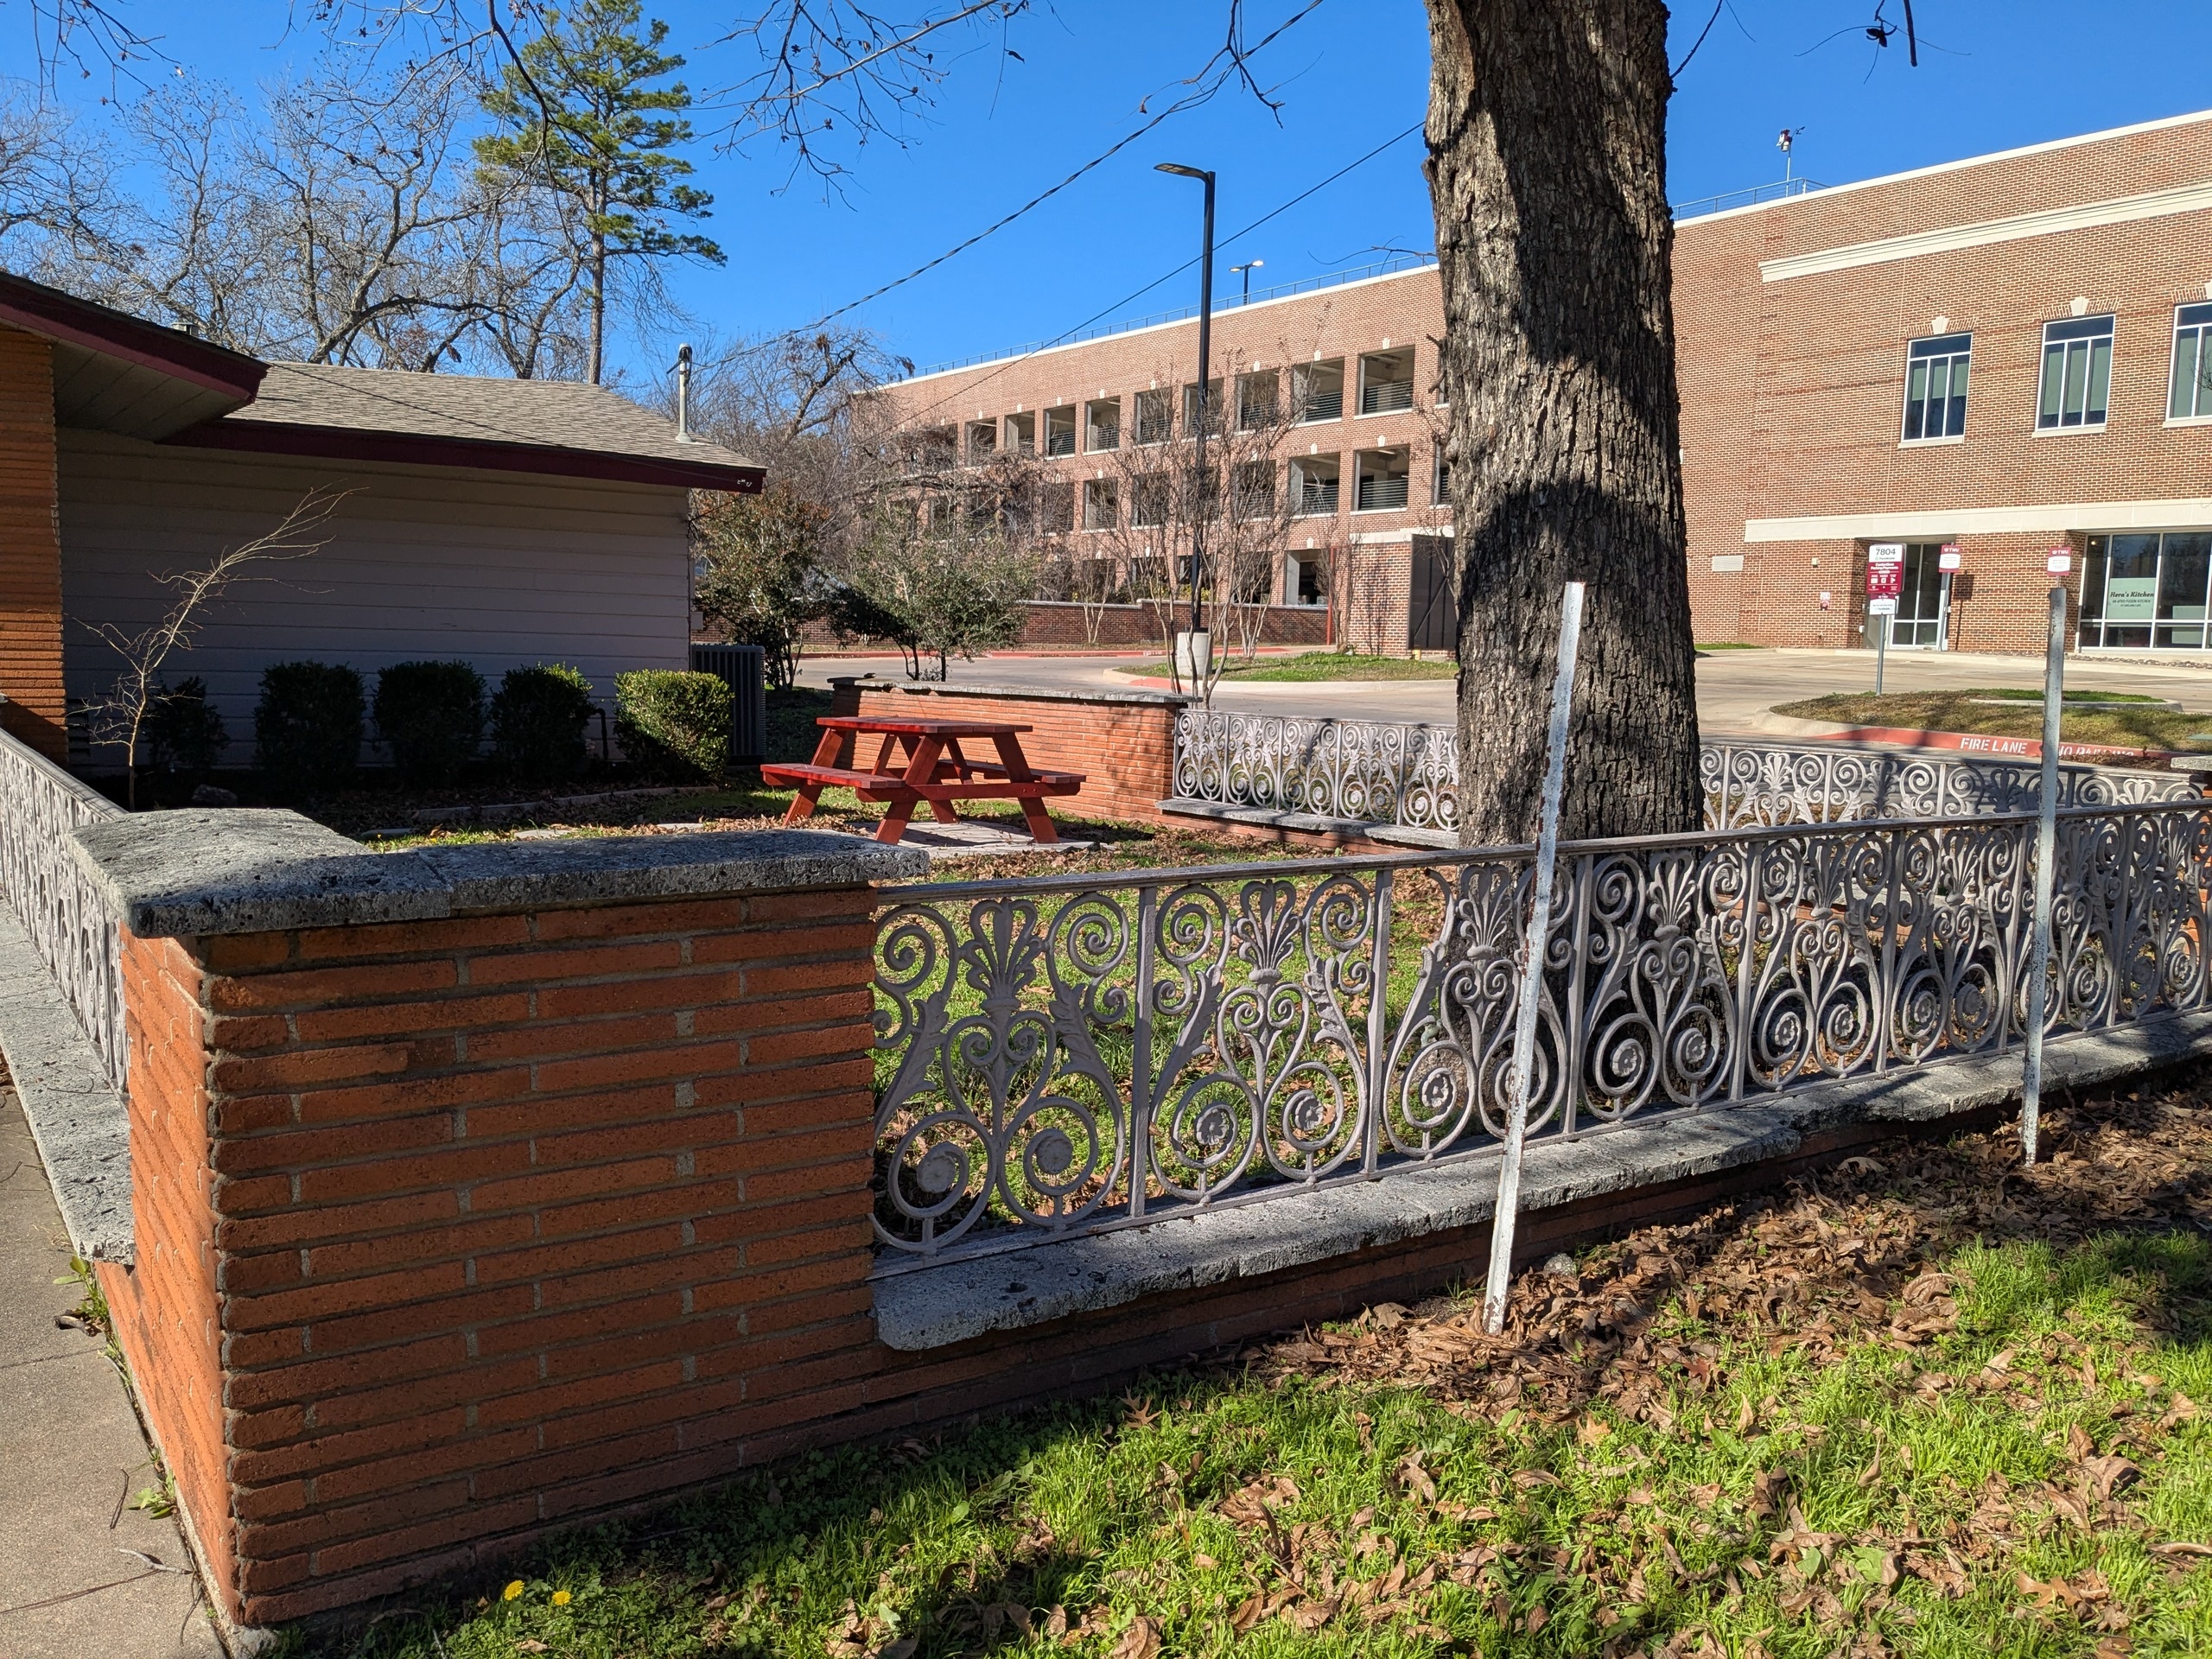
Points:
(30, 548)
(1792, 389)
(450, 1231)
(1063, 623)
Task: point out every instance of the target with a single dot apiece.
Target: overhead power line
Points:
(1275, 211)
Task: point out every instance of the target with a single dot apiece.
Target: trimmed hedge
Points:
(307, 726)
(184, 732)
(431, 716)
(538, 721)
(671, 724)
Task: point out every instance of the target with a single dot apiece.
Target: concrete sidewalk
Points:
(82, 1574)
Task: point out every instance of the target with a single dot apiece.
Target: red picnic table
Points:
(920, 760)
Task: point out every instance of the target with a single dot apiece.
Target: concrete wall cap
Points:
(1025, 692)
(259, 870)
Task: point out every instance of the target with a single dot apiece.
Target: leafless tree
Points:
(119, 715)
(56, 186)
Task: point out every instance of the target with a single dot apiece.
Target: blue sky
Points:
(1994, 74)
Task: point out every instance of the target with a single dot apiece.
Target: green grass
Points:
(2150, 726)
(1726, 644)
(1320, 665)
(1791, 1483)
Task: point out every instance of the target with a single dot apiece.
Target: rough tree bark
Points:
(1547, 125)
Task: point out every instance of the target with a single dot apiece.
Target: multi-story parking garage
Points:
(2003, 356)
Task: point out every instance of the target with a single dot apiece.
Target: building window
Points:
(2077, 373)
(1314, 484)
(1440, 488)
(1101, 510)
(2147, 591)
(1060, 431)
(1155, 415)
(1255, 400)
(1935, 387)
(2191, 399)
(1149, 500)
(1382, 475)
(1191, 409)
(1101, 420)
(1021, 434)
(1056, 509)
(1317, 390)
(982, 442)
(1386, 381)
(1252, 490)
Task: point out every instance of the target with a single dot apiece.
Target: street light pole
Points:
(1205, 355)
(1246, 268)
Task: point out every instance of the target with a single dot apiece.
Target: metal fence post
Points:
(1532, 971)
(2054, 688)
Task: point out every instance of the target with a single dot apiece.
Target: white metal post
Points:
(2054, 693)
(1532, 970)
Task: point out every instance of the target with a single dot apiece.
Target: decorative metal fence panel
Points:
(1377, 771)
(74, 931)
(1071, 1053)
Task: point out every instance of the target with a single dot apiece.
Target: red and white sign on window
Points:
(1884, 571)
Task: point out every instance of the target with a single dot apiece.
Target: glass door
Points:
(1923, 600)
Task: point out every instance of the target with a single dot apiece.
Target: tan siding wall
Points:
(500, 570)
(30, 552)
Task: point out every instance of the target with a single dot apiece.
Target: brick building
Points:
(2003, 355)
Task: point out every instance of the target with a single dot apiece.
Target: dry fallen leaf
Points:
(2110, 1473)
(1056, 1622)
(902, 1648)
(1139, 1641)
(1248, 1613)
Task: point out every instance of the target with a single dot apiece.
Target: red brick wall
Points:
(1793, 389)
(30, 548)
(166, 1308)
(449, 1231)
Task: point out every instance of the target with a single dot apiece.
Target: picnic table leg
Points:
(945, 811)
(834, 750)
(1040, 821)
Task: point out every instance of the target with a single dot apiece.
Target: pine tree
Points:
(579, 115)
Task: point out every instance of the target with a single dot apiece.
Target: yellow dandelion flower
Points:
(511, 1591)
(560, 1598)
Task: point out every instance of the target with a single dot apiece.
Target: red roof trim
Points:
(344, 443)
(48, 311)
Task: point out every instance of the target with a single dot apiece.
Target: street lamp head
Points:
(1181, 171)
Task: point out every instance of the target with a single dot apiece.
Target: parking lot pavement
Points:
(1733, 687)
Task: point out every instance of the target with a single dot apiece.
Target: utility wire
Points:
(1167, 276)
(1189, 101)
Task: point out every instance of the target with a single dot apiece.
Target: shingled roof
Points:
(476, 421)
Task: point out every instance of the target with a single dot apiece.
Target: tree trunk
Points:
(1546, 126)
(598, 306)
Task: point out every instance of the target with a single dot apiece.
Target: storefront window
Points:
(2147, 590)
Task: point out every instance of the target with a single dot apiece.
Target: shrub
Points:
(431, 714)
(538, 721)
(307, 726)
(184, 732)
(673, 725)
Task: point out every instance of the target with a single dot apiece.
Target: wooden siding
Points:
(30, 552)
(500, 571)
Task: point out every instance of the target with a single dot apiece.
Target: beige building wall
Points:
(502, 570)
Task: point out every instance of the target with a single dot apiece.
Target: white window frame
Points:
(2200, 326)
(1950, 361)
(2087, 339)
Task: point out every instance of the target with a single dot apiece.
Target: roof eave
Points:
(477, 455)
(43, 310)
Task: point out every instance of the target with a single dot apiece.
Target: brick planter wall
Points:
(452, 1230)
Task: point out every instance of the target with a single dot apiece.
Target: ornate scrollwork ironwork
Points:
(69, 924)
(1376, 771)
(1070, 1054)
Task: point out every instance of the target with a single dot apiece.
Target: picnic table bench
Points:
(918, 762)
